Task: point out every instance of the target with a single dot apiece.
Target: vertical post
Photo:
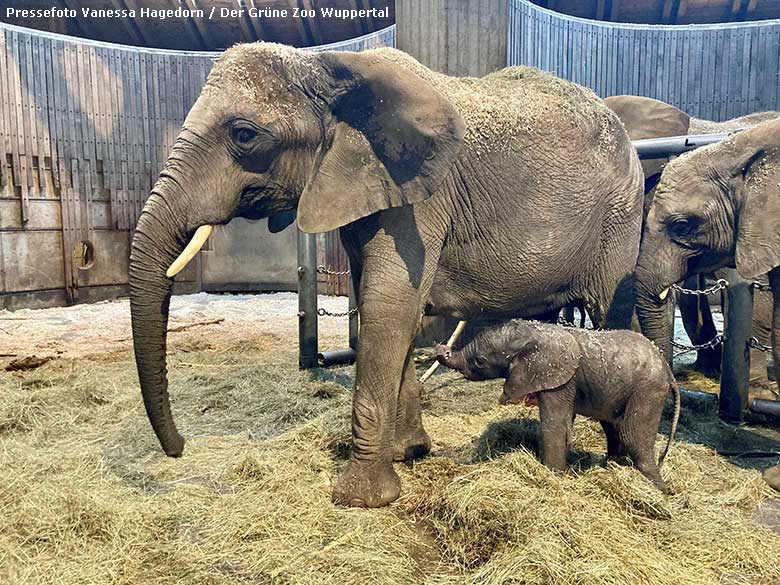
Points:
(735, 367)
(307, 300)
(353, 317)
(671, 308)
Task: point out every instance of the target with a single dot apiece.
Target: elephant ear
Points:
(645, 117)
(392, 140)
(756, 159)
(547, 361)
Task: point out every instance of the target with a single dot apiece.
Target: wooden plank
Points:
(722, 71)
(51, 128)
(773, 67)
(114, 144)
(15, 82)
(96, 120)
(37, 94)
(706, 101)
(753, 37)
(129, 135)
(5, 144)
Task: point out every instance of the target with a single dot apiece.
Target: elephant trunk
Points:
(653, 284)
(156, 244)
(446, 357)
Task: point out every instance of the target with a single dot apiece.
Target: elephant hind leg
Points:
(637, 431)
(411, 440)
(644, 461)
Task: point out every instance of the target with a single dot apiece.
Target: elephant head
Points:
(717, 206)
(531, 356)
(332, 136)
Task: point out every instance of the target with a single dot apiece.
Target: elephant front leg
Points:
(698, 323)
(396, 279)
(411, 440)
(556, 408)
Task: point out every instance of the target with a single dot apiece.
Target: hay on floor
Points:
(87, 497)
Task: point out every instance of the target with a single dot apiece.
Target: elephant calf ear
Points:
(394, 140)
(547, 363)
(757, 159)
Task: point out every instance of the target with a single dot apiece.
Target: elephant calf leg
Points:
(615, 449)
(555, 415)
(637, 432)
(644, 461)
(411, 440)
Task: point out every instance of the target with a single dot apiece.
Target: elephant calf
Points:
(616, 377)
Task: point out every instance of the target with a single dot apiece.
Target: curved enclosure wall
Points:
(714, 71)
(84, 130)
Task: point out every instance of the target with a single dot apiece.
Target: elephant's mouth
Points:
(531, 399)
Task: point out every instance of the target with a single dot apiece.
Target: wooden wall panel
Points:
(84, 130)
(457, 37)
(712, 71)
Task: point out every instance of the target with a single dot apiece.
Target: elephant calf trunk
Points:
(447, 357)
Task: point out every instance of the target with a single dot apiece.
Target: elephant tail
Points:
(675, 419)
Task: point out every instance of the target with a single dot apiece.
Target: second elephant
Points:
(644, 118)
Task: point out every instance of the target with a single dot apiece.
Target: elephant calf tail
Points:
(675, 419)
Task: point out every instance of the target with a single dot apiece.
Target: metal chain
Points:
(719, 285)
(762, 286)
(325, 270)
(756, 344)
(324, 313)
(714, 342)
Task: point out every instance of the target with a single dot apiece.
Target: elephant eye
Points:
(682, 226)
(480, 362)
(244, 135)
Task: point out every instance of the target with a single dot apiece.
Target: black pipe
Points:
(769, 408)
(697, 396)
(307, 300)
(339, 357)
(353, 315)
(672, 145)
(735, 359)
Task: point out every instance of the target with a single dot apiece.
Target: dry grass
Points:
(86, 497)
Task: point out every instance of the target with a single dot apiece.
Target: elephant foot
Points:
(772, 477)
(367, 485)
(411, 444)
(709, 366)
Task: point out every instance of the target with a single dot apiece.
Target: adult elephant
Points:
(449, 195)
(644, 118)
(715, 207)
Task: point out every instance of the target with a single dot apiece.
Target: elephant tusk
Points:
(196, 243)
(664, 293)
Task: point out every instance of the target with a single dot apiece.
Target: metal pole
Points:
(353, 316)
(661, 147)
(735, 367)
(307, 300)
(670, 311)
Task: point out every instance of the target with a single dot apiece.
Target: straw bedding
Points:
(86, 496)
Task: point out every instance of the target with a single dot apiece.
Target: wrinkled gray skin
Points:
(650, 118)
(715, 207)
(616, 377)
(495, 196)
